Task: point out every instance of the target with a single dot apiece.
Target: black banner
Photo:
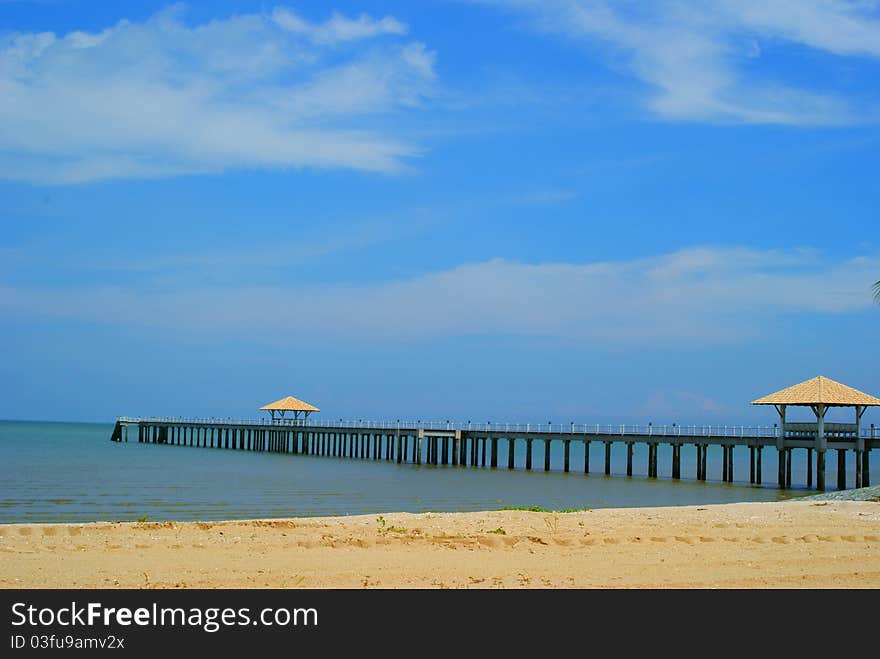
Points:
(136, 622)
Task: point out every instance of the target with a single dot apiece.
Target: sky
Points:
(563, 210)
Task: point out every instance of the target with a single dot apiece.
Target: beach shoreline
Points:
(812, 544)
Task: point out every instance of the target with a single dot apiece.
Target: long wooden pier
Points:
(476, 445)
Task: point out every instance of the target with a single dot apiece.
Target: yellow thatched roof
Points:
(818, 391)
(290, 404)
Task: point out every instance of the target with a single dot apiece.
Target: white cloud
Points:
(161, 97)
(337, 28)
(695, 56)
(691, 297)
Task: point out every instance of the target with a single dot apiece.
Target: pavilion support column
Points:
(781, 468)
(821, 446)
(483, 452)
(417, 449)
(860, 445)
(724, 459)
(699, 462)
(546, 455)
(780, 446)
(586, 456)
(511, 448)
(567, 457)
(494, 455)
(758, 469)
(751, 464)
(841, 469)
(528, 453)
(629, 458)
(607, 458)
(809, 467)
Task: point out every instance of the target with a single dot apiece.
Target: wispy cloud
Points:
(692, 297)
(337, 28)
(701, 60)
(163, 97)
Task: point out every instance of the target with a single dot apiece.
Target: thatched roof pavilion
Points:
(290, 404)
(819, 394)
(819, 391)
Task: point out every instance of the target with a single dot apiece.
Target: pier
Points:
(478, 444)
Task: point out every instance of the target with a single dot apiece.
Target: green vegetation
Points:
(498, 531)
(142, 519)
(538, 509)
(382, 527)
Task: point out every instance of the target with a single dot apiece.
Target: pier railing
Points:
(502, 428)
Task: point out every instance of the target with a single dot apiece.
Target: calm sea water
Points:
(66, 472)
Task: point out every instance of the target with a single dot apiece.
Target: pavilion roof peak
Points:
(819, 391)
(290, 404)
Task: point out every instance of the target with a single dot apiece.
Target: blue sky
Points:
(585, 211)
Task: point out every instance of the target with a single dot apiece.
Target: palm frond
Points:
(876, 289)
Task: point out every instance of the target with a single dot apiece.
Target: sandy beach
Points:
(807, 544)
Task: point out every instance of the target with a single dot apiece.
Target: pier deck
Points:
(476, 445)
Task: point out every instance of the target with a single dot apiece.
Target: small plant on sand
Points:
(382, 527)
(142, 519)
(538, 509)
(552, 522)
(498, 531)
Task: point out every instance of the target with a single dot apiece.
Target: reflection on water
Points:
(55, 472)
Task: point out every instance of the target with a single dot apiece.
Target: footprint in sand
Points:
(50, 530)
(781, 540)
(872, 538)
(706, 538)
(24, 530)
(810, 537)
(73, 530)
(611, 541)
(658, 539)
(850, 538)
(683, 538)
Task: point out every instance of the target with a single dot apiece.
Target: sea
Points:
(72, 472)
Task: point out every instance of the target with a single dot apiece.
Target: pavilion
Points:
(819, 394)
(290, 404)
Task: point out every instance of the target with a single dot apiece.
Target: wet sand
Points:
(811, 544)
